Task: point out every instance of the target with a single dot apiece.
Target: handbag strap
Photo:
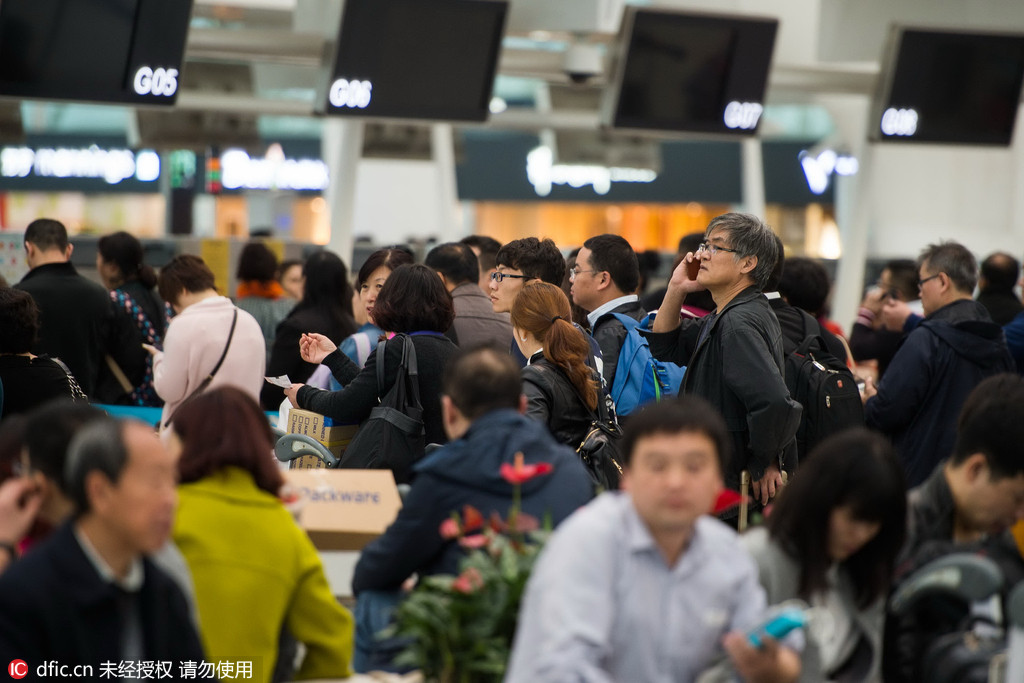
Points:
(408, 370)
(224, 353)
(209, 378)
(76, 390)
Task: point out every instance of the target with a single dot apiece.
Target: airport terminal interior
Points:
(182, 155)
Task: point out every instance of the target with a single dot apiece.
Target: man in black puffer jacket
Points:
(482, 404)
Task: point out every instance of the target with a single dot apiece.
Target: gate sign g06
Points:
(157, 82)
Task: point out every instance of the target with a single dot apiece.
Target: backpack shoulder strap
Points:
(628, 322)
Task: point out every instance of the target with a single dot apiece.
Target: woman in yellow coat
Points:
(255, 571)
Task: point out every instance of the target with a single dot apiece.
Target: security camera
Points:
(582, 62)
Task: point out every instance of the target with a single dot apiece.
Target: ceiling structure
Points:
(257, 65)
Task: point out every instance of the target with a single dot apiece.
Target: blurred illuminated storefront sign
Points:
(112, 166)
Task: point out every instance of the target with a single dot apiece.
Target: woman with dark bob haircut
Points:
(832, 541)
(326, 309)
(243, 547)
(413, 301)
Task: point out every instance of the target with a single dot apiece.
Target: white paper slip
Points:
(281, 381)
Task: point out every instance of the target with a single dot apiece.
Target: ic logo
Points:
(17, 669)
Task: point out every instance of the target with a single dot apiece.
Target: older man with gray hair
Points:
(88, 599)
(734, 355)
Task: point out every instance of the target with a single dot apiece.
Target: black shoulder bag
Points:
(392, 437)
(209, 378)
(599, 449)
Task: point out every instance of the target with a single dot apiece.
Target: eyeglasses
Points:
(714, 249)
(576, 271)
(920, 283)
(498, 277)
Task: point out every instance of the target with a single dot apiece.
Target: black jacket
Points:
(79, 324)
(738, 367)
(284, 356)
(1002, 307)
(55, 606)
(31, 382)
(552, 400)
(466, 472)
(796, 324)
(609, 334)
(360, 394)
(938, 365)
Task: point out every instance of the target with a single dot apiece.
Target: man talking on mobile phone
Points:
(734, 355)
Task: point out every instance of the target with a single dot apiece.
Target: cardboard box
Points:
(345, 509)
(335, 437)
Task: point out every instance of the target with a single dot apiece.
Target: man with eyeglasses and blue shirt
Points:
(734, 355)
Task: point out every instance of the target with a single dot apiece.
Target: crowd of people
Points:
(124, 542)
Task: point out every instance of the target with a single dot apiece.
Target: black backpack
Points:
(392, 437)
(824, 386)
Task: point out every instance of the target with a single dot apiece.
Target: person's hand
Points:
(315, 347)
(767, 486)
(680, 280)
(874, 299)
(20, 499)
(150, 349)
(869, 389)
(292, 394)
(895, 314)
(769, 663)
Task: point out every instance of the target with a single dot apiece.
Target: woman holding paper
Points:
(412, 301)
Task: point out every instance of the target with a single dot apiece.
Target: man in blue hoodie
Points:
(954, 348)
(482, 404)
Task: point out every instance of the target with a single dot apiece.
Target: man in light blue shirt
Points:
(643, 585)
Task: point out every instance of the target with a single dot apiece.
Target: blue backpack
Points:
(640, 377)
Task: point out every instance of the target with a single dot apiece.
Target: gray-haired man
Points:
(734, 355)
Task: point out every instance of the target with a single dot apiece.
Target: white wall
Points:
(396, 200)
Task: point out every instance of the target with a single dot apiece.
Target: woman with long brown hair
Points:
(561, 389)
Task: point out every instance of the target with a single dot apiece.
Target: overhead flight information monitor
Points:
(689, 72)
(416, 59)
(949, 87)
(124, 51)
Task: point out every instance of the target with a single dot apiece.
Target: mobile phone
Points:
(692, 268)
(778, 626)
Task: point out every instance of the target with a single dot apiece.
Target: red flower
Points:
(519, 472)
(526, 523)
(474, 541)
(497, 524)
(468, 581)
(471, 518)
(726, 500)
(450, 529)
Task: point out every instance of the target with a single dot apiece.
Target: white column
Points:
(753, 177)
(342, 147)
(853, 216)
(450, 219)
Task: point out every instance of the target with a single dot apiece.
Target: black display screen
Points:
(950, 87)
(126, 51)
(693, 72)
(416, 59)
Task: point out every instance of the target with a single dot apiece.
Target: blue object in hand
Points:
(778, 626)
